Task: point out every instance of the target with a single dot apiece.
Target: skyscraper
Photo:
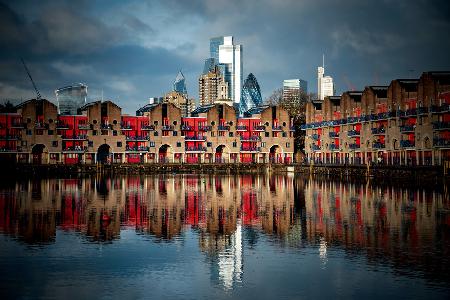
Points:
(292, 86)
(325, 86)
(179, 85)
(71, 98)
(228, 57)
(211, 87)
(251, 94)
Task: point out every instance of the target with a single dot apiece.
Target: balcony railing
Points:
(74, 137)
(167, 127)
(250, 149)
(251, 138)
(40, 125)
(17, 125)
(126, 127)
(137, 149)
(105, 126)
(204, 128)
(353, 120)
(354, 146)
(407, 144)
(441, 125)
(84, 126)
(411, 112)
(187, 127)
(259, 128)
(441, 142)
(241, 127)
(138, 138)
(315, 136)
(333, 134)
(199, 148)
(378, 130)
(223, 127)
(277, 127)
(334, 147)
(75, 149)
(378, 145)
(385, 115)
(148, 127)
(352, 133)
(422, 110)
(315, 147)
(9, 137)
(407, 128)
(62, 126)
(442, 108)
(195, 138)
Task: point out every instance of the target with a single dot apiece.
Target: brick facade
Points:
(157, 134)
(405, 123)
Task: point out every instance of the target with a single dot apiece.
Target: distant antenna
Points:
(323, 61)
(32, 81)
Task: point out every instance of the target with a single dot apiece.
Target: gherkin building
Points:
(251, 94)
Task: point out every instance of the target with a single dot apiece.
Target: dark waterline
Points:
(200, 236)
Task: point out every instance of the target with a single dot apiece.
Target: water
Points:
(221, 237)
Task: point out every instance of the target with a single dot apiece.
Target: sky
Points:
(132, 50)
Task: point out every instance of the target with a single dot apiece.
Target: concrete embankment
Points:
(384, 172)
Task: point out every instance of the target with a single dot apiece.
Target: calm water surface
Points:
(193, 236)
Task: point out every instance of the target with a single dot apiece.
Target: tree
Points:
(294, 102)
(7, 107)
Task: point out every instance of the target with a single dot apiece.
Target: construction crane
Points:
(38, 97)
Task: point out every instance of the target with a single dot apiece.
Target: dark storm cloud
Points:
(133, 50)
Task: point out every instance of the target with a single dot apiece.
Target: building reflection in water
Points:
(229, 214)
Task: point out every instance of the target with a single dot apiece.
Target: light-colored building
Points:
(292, 87)
(212, 86)
(181, 101)
(229, 57)
(325, 85)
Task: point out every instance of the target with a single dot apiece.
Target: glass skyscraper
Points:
(179, 85)
(251, 94)
(228, 57)
(71, 98)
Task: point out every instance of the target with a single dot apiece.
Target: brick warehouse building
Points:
(35, 133)
(405, 123)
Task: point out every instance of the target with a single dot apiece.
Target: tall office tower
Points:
(211, 87)
(325, 86)
(291, 88)
(179, 85)
(228, 57)
(71, 98)
(251, 94)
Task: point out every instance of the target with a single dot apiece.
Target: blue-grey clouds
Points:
(132, 50)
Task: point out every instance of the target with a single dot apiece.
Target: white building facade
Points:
(230, 56)
(325, 85)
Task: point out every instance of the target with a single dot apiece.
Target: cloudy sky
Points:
(132, 50)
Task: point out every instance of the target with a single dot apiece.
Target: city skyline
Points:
(133, 56)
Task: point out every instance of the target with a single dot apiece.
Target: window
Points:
(94, 132)
(221, 133)
(105, 132)
(90, 144)
(266, 134)
(175, 133)
(39, 132)
(119, 144)
(95, 121)
(29, 132)
(288, 145)
(284, 134)
(155, 133)
(213, 134)
(263, 144)
(114, 132)
(274, 134)
(115, 122)
(50, 132)
(208, 144)
(178, 144)
(230, 134)
(234, 144)
(55, 144)
(152, 144)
